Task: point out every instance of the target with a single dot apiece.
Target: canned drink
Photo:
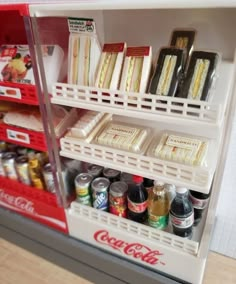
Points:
(8, 161)
(95, 170)
(111, 174)
(127, 178)
(82, 184)
(100, 193)
(85, 200)
(35, 171)
(21, 151)
(118, 198)
(3, 146)
(48, 178)
(22, 169)
(2, 172)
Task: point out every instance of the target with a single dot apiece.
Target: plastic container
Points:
(124, 136)
(180, 148)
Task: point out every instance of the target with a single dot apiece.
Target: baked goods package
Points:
(123, 136)
(16, 64)
(136, 70)
(88, 125)
(110, 66)
(84, 51)
(179, 147)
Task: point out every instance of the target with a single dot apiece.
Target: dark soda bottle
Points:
(199, 201)
(181, 213)
(137, 201)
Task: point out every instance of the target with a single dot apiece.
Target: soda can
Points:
(118, 198)
(8, 161)
(2, 172)
(3, 146)
(35, 171)
(48, 178)
(21, 151)
(95, 170)
(22, 169)
(111, 174)
(100, 193)
(85, 200)
(82, 184)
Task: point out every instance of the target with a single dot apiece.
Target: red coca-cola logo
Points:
(17, 201)
(135, 250)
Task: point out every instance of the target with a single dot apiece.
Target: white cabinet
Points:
(149, 23)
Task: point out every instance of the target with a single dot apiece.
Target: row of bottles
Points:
(156, 204)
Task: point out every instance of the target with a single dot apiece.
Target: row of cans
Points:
(27, 166)
(102, 189)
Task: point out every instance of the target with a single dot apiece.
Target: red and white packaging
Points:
(110, 66)
(136, 70)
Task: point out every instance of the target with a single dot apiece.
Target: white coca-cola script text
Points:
(17, 201)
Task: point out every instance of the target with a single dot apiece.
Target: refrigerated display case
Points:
(39, 205)
(148, 23)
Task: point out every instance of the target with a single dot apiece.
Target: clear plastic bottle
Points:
(137, 201)
(158, 206)
(181, 214)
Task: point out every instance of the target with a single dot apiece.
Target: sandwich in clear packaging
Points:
(88, 125)
(124, 136)
(184, 39)
(84, 51)
(200, 75)
(136, 70)
(110, 66)
(167, 72)
(181, 148)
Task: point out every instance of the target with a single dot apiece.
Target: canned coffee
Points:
(111, 174)
(118, 198)
(100, 193)
(82, 184)
(8, 161)
(48, 178)
(2, 172)
(22, 169)
(95, 170)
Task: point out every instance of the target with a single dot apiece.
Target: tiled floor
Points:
(22, 267)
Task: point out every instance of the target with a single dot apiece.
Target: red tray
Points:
(24, 137)
(33, 203)
(25, 94)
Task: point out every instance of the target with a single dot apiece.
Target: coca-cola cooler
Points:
(104, 247)
(39, 205)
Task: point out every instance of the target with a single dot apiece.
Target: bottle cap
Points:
(158, 183)
(181, 189)
(137, 179)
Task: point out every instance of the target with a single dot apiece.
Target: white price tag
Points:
(10, 92)
(18, 136)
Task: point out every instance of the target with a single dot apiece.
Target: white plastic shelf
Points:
(149, 106)
(156, 249)
(195, 178)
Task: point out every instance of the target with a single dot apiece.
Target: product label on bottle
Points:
(159, 222)
(137, 207)
(182, 223)
(198, 203)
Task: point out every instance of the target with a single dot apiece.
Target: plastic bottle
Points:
(137, 201)
(158, 207)
(181, 213)
(199, 201)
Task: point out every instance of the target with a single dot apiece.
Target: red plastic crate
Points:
(33, 203)
(24, 137)
(28, 93)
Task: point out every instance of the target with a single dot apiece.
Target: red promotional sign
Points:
(135, 250)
